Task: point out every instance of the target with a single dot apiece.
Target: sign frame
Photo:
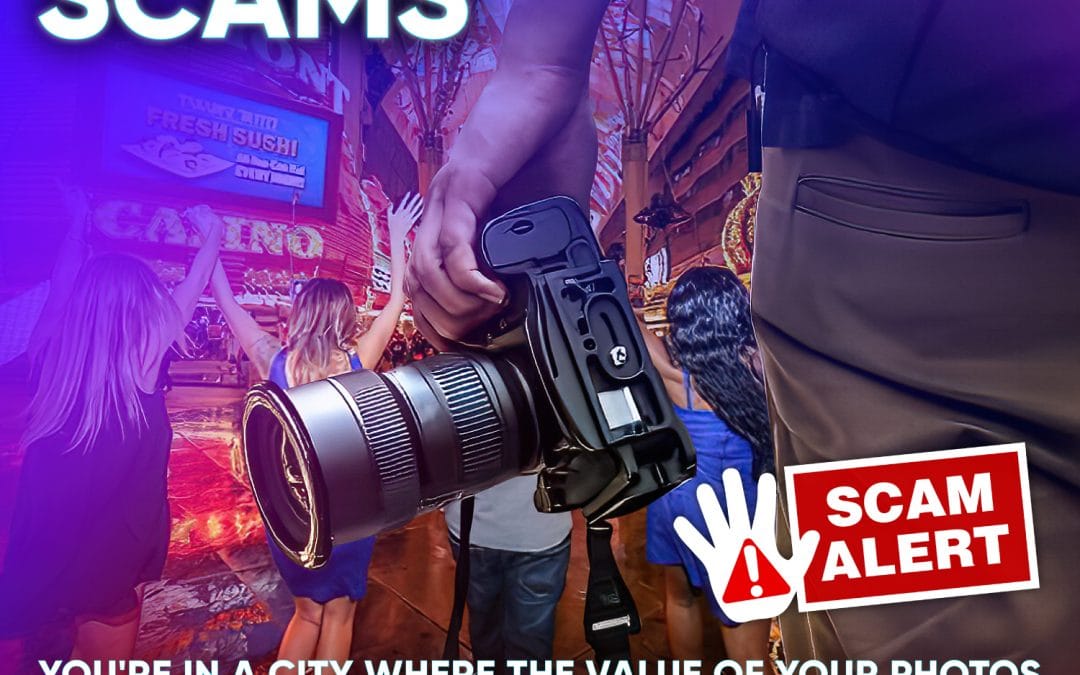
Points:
(94, 174)
(889, 598)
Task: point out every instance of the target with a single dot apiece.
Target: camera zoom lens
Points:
(347, 457)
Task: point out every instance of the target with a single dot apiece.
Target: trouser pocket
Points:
(903, 212)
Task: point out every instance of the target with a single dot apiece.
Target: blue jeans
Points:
(512, 599)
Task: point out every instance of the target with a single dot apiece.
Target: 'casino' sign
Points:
(120, 219)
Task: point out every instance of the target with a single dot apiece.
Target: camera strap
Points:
(452, 648)
(610, 614)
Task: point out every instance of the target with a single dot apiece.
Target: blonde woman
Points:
(91, 519)
(323, 341)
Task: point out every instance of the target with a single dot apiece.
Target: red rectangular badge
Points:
(915, 527)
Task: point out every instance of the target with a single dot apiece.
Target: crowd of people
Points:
(98, 426)
(888, 351)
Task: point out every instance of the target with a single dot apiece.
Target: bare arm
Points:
(187, 292)
(259, 345)
(372, 344)
(530, 135)
(659, 353)
(669, 372)
(73, 252)
(542, 75)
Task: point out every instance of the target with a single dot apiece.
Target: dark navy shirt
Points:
(988, 85)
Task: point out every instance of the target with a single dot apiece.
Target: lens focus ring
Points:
(473, 413)
(389, 441)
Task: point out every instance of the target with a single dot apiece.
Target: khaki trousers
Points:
(903, 306)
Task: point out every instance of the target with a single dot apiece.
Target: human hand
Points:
(208, 223)
(77, 206)
(449, 293)
(733, 539)
(401, 219)
(530, 136)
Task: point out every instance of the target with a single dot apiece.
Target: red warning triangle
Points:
(753, 577)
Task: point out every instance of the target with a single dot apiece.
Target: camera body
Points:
(559, 382)
(620, 444)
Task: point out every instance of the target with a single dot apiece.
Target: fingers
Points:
(437, 341)
(694, 540)
(456, 248)
(430, 276)
(765, 511)
(425, 252)
(415, 208)
(719, 531)
(447, 286)
(464, 272)
(803, 553)
(411, 206)
(434, 314)
(738, 516)
(449, 324)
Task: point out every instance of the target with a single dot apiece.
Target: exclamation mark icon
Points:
(750, 556)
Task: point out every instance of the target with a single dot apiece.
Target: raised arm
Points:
(660, 356)
(258, 344)
(73, 252)
(187, 292)
(372, 344)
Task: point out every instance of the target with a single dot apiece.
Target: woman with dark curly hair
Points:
(713, 377)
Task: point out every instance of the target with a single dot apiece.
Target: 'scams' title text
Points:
(85, 19)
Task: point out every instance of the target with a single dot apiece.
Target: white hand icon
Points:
(729, 539)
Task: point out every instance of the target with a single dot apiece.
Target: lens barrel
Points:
(344, 458)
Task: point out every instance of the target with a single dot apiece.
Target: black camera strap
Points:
(452, 648)
(610, 614)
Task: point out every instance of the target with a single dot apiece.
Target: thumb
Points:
(694, 540)
(803, 551)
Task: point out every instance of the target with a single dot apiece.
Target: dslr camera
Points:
(560, 383)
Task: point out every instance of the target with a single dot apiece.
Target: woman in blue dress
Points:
(713, 375)
(323, 341)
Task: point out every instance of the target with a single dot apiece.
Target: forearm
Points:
(658, 352)
(397, 270)
(205, 261)
(259, 345)
(542, 76)
(557, 34)
(495, 141)
(373, 343)
(223, 295)
(187, 292)
(73, 252)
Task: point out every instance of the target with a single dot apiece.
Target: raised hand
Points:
(204, 219)
(731, 536)
(77, 206)
(401, 219)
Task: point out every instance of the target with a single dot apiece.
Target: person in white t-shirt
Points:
(518, 563)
